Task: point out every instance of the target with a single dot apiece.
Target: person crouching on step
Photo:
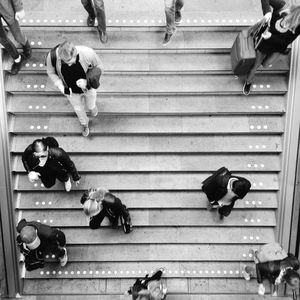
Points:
(76, 71)
(100, 203)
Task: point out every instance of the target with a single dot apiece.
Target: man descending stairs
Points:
(168, 117)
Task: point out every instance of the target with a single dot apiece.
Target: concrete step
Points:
(154, 252)
(167, 162)
(149, 181)
(156, 104)
(131, 270)
(158, 217)
(104, 287)
(159, 143)
(111, 124)
(116, 12)
(173, 235)
(156, 61)
(188, 199)
(160, 83)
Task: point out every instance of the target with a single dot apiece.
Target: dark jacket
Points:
(111, 209)
(215, 188)
(279, 41)
(48, 235)
(270, 270)
(58, 159)
(8, 8)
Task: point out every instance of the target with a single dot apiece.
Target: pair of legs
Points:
(261, 59)
(96, 10)
(58, 247)
(48, 176)
(79, 101)
(172, 7)
(11, 48)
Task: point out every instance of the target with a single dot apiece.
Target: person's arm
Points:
(275, 4)
(67, 163)
(53, 76)
(96, 221)
(26, 154)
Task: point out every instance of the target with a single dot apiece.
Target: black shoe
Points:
(115, 224)
(103, 36)
(16, 66)
(167, 39)
(247, 88)
(178, 17)
(90, 21)
(27, 51)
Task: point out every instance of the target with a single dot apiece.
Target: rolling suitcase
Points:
(243, 53)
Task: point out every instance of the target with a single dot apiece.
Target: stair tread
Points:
(154, 83)
(151, 181)
(151, 124)
(187, 199)
(154, 252)
(180, 104)
(158, 217)
(167, 162)
(159, 144)
(158, 61)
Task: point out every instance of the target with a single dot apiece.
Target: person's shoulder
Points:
(85, 50)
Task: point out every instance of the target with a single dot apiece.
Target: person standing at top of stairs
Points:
(11, 11)
(44, 159)
(284, 28)
(95, 10)
(76, 71)
(173, 17)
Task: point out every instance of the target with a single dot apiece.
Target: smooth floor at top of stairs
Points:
(157, 104)
(149, 13)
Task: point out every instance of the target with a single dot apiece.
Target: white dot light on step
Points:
(39, 43)
(259, 202)
(251, 127)
(217, 21)
(255, 165)
(202, 21)
(265, 126)
(47, 272)
(223, 21)
(253, 202)
(53, 256)
(47, 256)
(206, 272)
(194, 272)
(257, 238)
(59, 21)
(115, 272)
(246, 220)
(37, 107)
(127, 272)
(264, 146)
(45, 21)
(30, 106)
(252, 220)
(254, 86)
(230, 21)
(244, 237)
(117, 21)
(131, 21)
(258, 220)
(268, 86)
(84, 272)
(27, 65)
(245, 20)
(42, 86)
(212, 272)
(247, 202)
(257, 146)
(254, 184)
(124, 21)
(267, 106)
(91, 272)
(67, 21)
(219, 272)
(200, 271)
(59, 272)
(30, 21)
(121, 272)
(78, 272)
(38, 127)
(261, 184)
(109, 21)
(237, 21)
(42, 272)
(195, 21)
(231, 272)
(44, 221)
(35, 86)
(159, 21)
(74, 21)
(41, 65)
(261, 86)
(66, 272)
(138, 21)
(43, 203)
(182, 271)
(259, 107)
(28, 86)
(51, 221)
(253, 106)
(53, 272)
(152, 21)
(38, 21)
(176, 272)
(24, 20)
(42, 185)
(50, 202)
(250, 146)
(39, 221)
(145, 21)
(249, 165)
(37, 203)
(97, 272)
(188, 272)
(225, 272)
(80, 21)
(35, 185)
(72, 272)
(44, 107)
(34, 65)
(45, 127)
(244, 255)
(52, 21)
(251, 238)
(262, 165)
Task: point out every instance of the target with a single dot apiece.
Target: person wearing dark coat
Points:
(11, 11)
(284, 28)
(44, 160)
(100, 203)
(276, 272)
(76, 71)
(223, 189)
(36, 241)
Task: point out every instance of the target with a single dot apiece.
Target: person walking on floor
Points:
(100, 203)
(45, 160)
(76, 71)
(284, 28)
(36, 240)
(11, 11)
(95, 9)
(173, 18)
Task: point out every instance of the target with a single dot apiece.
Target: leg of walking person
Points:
(20, 37)
(178, 7)
(48, 178)
(64, 177)
(170, 20)
(100, 14)
(270, 59)
(90, 100)
(250, 76)
(88, 6)
(78, 106)
(58, 248)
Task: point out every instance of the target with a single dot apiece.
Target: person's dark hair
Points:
(291, 276)
(39, 143)
(241, 187)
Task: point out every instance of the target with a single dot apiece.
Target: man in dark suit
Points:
(11, 11)
(36, 240)
(223, 189)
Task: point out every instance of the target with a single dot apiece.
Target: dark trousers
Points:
(54, 247)
(96, 12)
(18, 36)
(171, 7)
(95, 222)
(48, 176)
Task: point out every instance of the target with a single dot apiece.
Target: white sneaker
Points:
(94, 111)
(68, 185)
(245, 274)
(63, 260)
(85, 131)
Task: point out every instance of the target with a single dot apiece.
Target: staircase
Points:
(168, 117)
